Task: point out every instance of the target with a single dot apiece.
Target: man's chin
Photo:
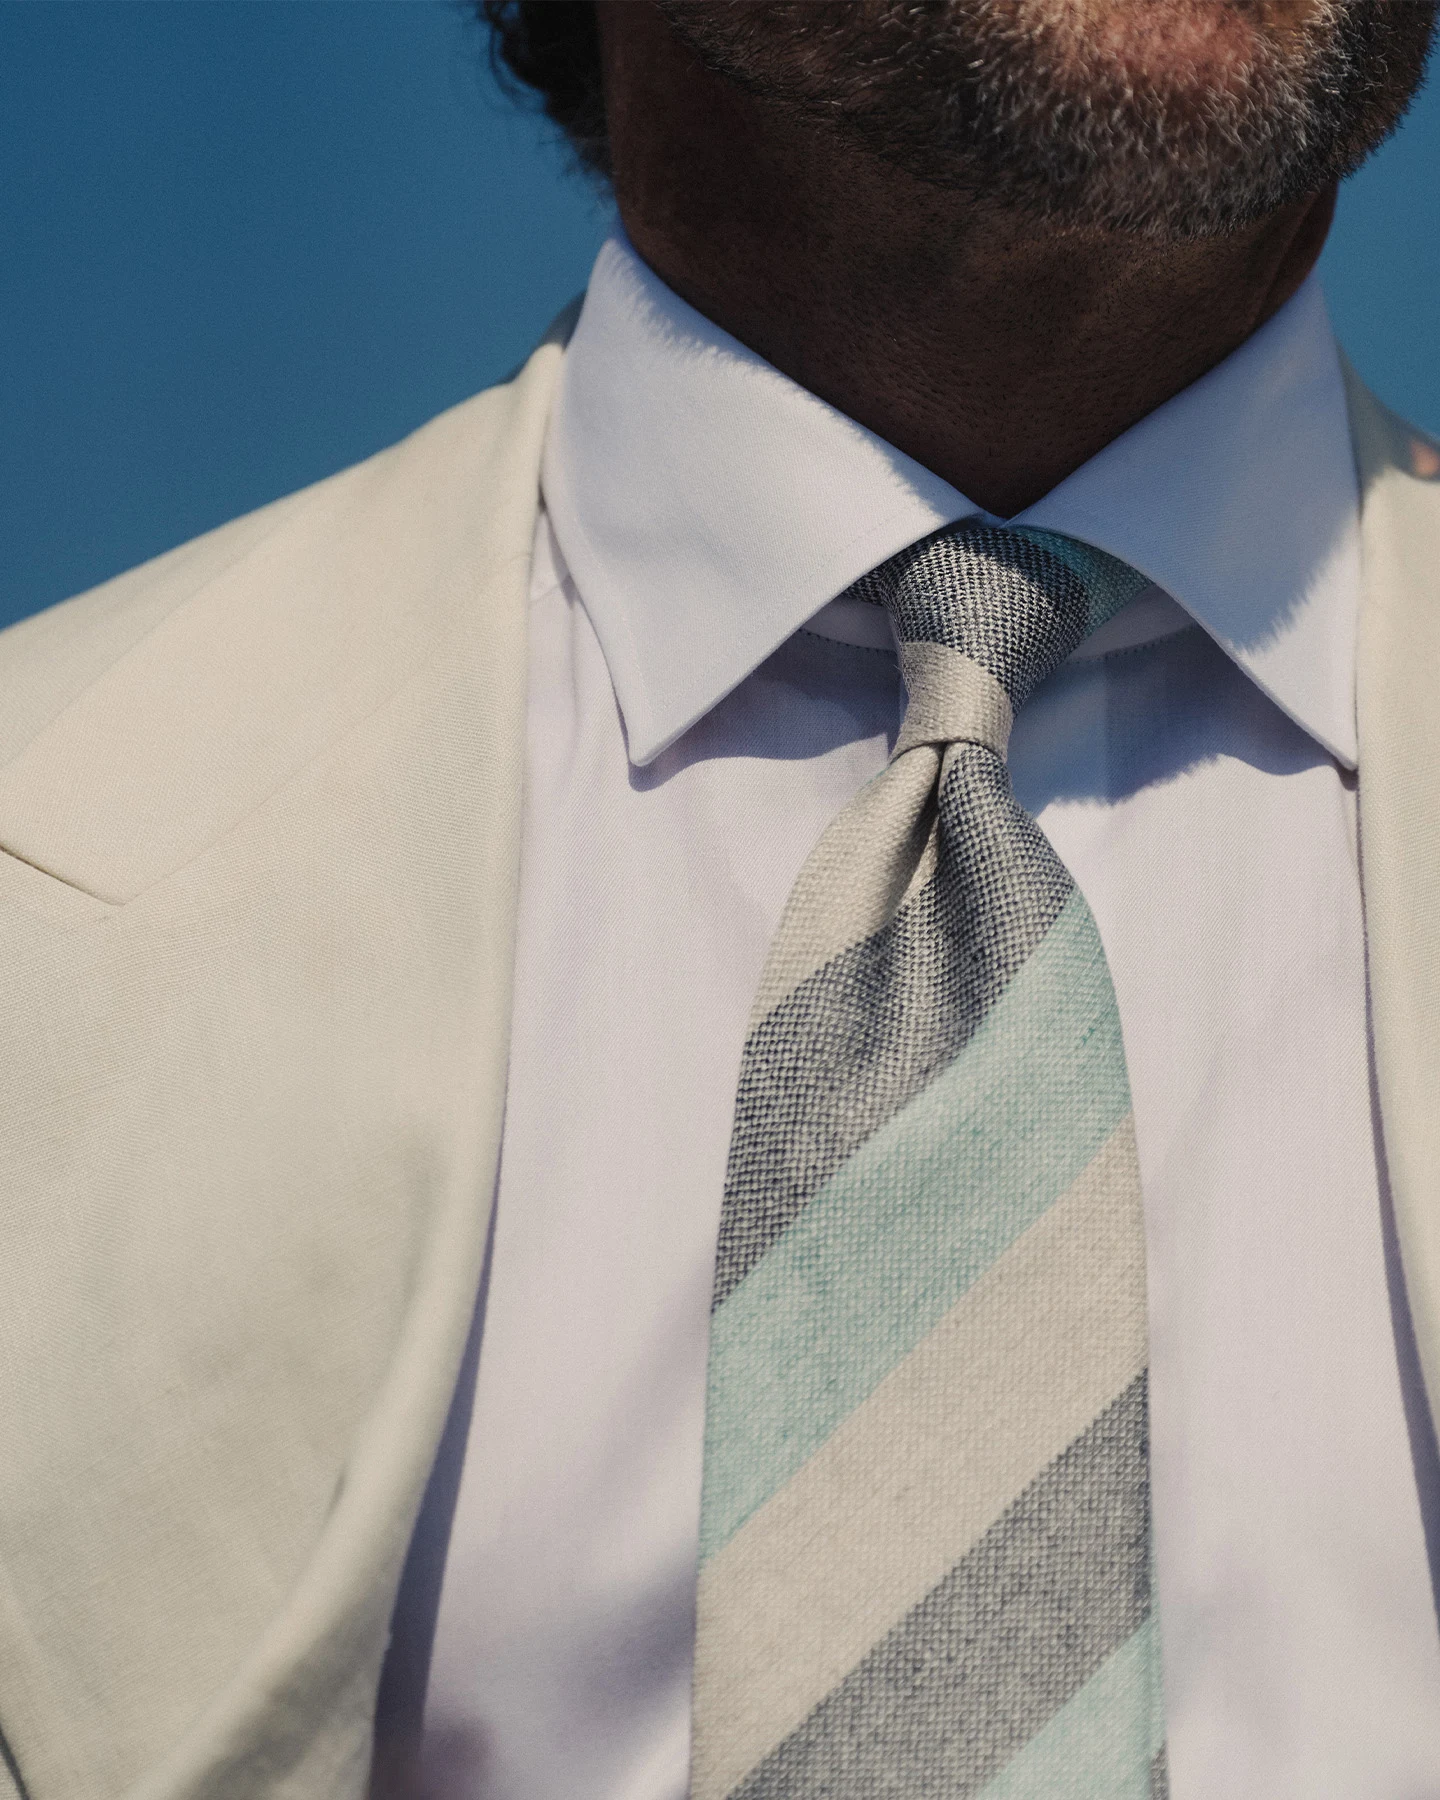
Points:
(1171, 119)
(1188, 50)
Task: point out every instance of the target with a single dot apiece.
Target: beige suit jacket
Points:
(259, 827)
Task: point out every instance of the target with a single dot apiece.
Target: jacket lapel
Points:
(256, 906)
(1399, 729)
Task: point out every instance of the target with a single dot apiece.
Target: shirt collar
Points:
(708, 506)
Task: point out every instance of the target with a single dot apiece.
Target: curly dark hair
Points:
(553, 46)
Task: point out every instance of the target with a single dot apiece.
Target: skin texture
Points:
(1165, 118)
(998, 347)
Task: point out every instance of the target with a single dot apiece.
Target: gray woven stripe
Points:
(1018, 1626)
(1006, 601)
(1160, 1776)
(859, 1039)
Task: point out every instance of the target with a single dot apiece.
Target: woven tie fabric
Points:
(925, 1537)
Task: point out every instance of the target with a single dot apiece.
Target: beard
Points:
(1172, 120)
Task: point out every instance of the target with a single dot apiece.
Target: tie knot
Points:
(983, 613)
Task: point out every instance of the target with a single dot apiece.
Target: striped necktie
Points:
(925, 1534)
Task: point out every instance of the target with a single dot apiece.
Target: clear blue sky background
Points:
(246, 242)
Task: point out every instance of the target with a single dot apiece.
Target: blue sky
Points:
(246, 242)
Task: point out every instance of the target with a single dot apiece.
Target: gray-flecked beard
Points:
(1048, 108)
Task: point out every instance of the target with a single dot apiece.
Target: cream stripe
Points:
(1035, 1350)
(865, 866)
(951, 699)
(854, 879)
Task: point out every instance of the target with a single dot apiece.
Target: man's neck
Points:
(999, 353)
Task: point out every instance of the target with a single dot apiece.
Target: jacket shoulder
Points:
(49, 658)
(52, 657)
(1385, 442)
(143, 720)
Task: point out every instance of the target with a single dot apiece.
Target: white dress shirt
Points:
(696, 718)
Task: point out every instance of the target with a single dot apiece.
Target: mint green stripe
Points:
(918, 1213)
(1101, 1743)
(1109, 583)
